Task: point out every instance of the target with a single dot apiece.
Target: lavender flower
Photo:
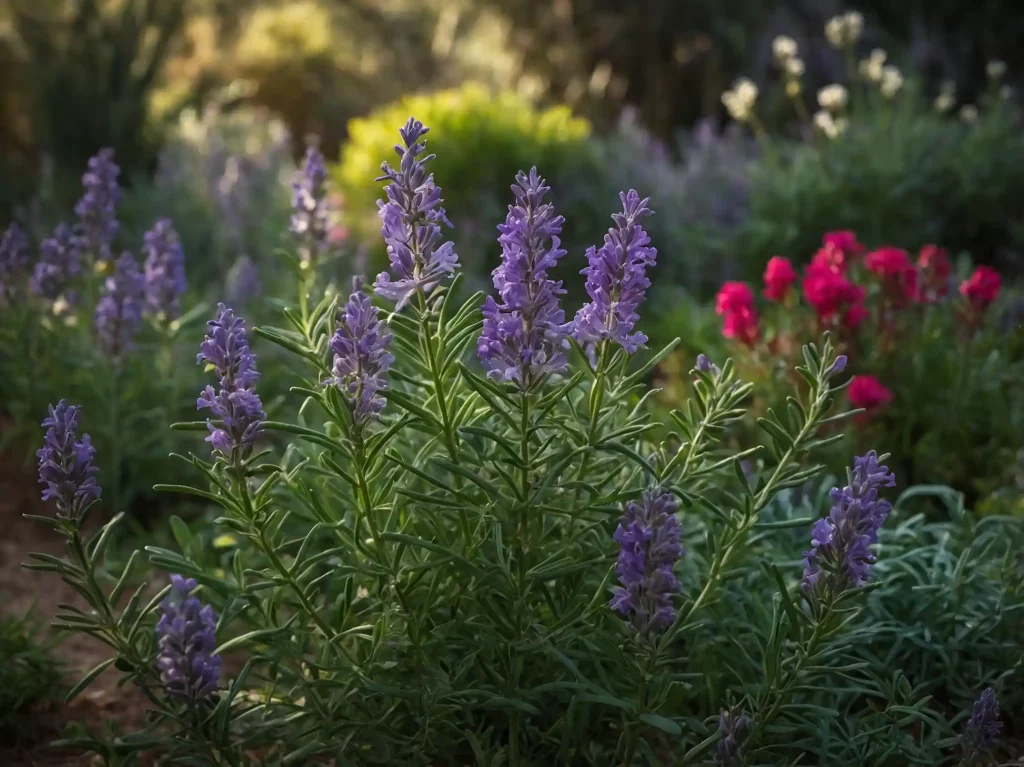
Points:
(236, 403)
(96, 212)
(982, 729)
(312, 217)
(617, 279)
(838, 366)
(165, 269)
(243, 281)
(361, 357)
(65, 463)
(119, 311)
(411, 221)
(186, 636)
(59, 262)
(13, 258)
(704, 365)
(524, 334)
(841, 542)
(649, 539)
(733, 728)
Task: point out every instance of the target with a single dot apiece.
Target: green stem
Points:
(633, 737)
(115, 439)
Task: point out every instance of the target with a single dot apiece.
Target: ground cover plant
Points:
(466, 539)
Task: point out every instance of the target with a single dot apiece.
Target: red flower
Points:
(844, 240)
(830, 257)
(982, 287)
(855, 316)
(735, 300)
(828, 292)
(779, 277)
(867, 392)
(896, 269)
(933, 270)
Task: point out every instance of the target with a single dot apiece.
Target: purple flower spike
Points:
(14, 259)
(165, 269)
(649, 538)
(59, 263)
(982, 729)
(841, 542)
(311, 220)
(119, 311)
(411, 220)
(65, 463)
(524, 335)
(733, 728)
(186, 637)
(96, 210)
(617, 279)
(243, 281)
(236, 403)
(361, 357)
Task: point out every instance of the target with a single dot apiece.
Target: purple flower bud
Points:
(165, 269)
(704, 365)
(59, 263)
(243, 281)
(982, 729)
(649, 540)
(361, 357)
(617, 279)
(119, 311)
(65, 463)
(311, 220)
(14, 258)
(840, 557)
(186, 637)
(96, 210)
(838, 366)
(236, 403)
(733, 728)
(524, 335)
(411, 221)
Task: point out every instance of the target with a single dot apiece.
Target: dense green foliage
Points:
(30, 674)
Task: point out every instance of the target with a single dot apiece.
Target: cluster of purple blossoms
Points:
(59, 262)
(311, 220)
(982, 729)
(649, 538)
(236, 404)
(186, 637)
(65, 463)
(243, 281)
(840, 557)
(119, 310)
(361, 356)
(617, 279)
(165, 269)
(14, 258)
(524, 334)
(733, 728)
(411, 221)
(96, 210)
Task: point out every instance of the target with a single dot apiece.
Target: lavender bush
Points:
(442, 559)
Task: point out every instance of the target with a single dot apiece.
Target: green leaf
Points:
(238, 641)
(88, 679)
(661, 723)
(181, 533)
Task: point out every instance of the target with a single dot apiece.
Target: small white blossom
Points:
(996, 69)
(892, 81)
(834, 31)
(741, 99)
(1006, 93)
(872, 67)
(969, 113)
(784, 48)
(854, 26)
(845, 30)
(833, 98)
(830, 126)
(795, 67)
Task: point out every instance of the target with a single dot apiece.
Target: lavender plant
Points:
(420, 567)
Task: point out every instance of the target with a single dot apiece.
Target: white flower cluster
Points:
(845, 30)
(741, 99)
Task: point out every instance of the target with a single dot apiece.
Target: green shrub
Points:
(29, 672)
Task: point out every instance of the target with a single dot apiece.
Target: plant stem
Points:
(115, 439)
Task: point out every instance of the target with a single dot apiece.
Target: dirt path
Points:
(23, 590)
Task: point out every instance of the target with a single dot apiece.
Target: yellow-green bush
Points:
(481, 139)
